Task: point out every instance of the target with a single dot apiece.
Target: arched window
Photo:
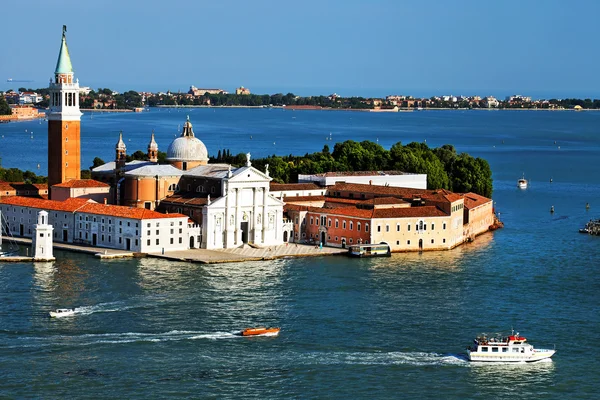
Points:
(200, 189)
(174, 187)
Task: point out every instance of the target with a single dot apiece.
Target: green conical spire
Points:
(63, 65)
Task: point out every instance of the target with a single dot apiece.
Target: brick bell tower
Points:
(64, 120)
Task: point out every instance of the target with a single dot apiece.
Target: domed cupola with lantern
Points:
(187, 151)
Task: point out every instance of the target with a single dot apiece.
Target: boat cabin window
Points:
(517, 342)
(494, 349)
(505, 349)
(484, 349)
(515, 350)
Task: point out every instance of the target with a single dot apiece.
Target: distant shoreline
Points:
(317, 108)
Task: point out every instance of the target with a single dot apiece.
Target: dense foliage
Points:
(445, 168)
(16, 175)
(4, 107)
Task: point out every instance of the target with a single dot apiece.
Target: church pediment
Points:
(249, 174)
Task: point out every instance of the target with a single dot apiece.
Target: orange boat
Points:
(260, 331)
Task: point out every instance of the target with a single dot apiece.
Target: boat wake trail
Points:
(111, 338)
(103, 307)
(390, 358)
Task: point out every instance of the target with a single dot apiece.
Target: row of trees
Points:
(256, 100)
(16, 175)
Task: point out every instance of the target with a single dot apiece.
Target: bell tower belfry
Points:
(64, 154)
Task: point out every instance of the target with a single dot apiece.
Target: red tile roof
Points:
(382, 200)
(293, 186)
(82, 183)
(87, 206)
(125, 212)
(473, 200)
(291, 199)
(69, 205)
(387, 191)
(409, 212)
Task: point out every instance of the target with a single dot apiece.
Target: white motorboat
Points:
(62, 312)
(511, 348)
(522, 183)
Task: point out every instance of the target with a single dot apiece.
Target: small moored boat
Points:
(260, 331)
(512, 348)
(62, 312)
(522, 183)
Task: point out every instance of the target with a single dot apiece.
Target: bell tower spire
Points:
(64, 118)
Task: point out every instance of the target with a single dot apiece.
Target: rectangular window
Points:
(136, 241)
(408, 242)
(505, 349)
(358, 226)
(157, 232)
(311, 220)
(432, 241)
(432, 226)
(148, 241)
(444, 225)
(494, 349)
(329, 222)
(484, 349)
(366, 227)
(120, 240)
(157, 242)
(351, 225)
(443, 240)
(397, 227)
(180, 241)
(180, 230)
(387, 228)
(171, 241)
(171, 231)
(409, 227)
(378, 228)
(337, 223)
(148, 233)
(397, 243)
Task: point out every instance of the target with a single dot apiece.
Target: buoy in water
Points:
(552, 210)
(550, 180)
(587, 206)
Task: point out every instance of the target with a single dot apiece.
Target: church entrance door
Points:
(244, 226)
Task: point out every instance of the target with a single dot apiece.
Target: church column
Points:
(265, 218)
(254, 214)
(228, 230)
(238, 217)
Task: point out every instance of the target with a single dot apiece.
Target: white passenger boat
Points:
(62, 312)
(522, 183)
(511, 348)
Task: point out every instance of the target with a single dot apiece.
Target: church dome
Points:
(187, 147)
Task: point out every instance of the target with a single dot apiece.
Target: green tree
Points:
(4, 107)
(96, 162)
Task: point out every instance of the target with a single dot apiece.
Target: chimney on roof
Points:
(105, 201)
(370, 182)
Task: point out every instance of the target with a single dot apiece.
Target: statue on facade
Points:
(248, 163)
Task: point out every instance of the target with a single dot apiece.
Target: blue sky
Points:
(372, 48)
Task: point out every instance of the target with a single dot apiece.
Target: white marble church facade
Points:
(245, 213)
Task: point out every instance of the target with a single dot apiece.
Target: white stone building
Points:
(379, 178)
(82, 221)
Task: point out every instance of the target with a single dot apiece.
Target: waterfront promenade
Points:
(202, 256)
